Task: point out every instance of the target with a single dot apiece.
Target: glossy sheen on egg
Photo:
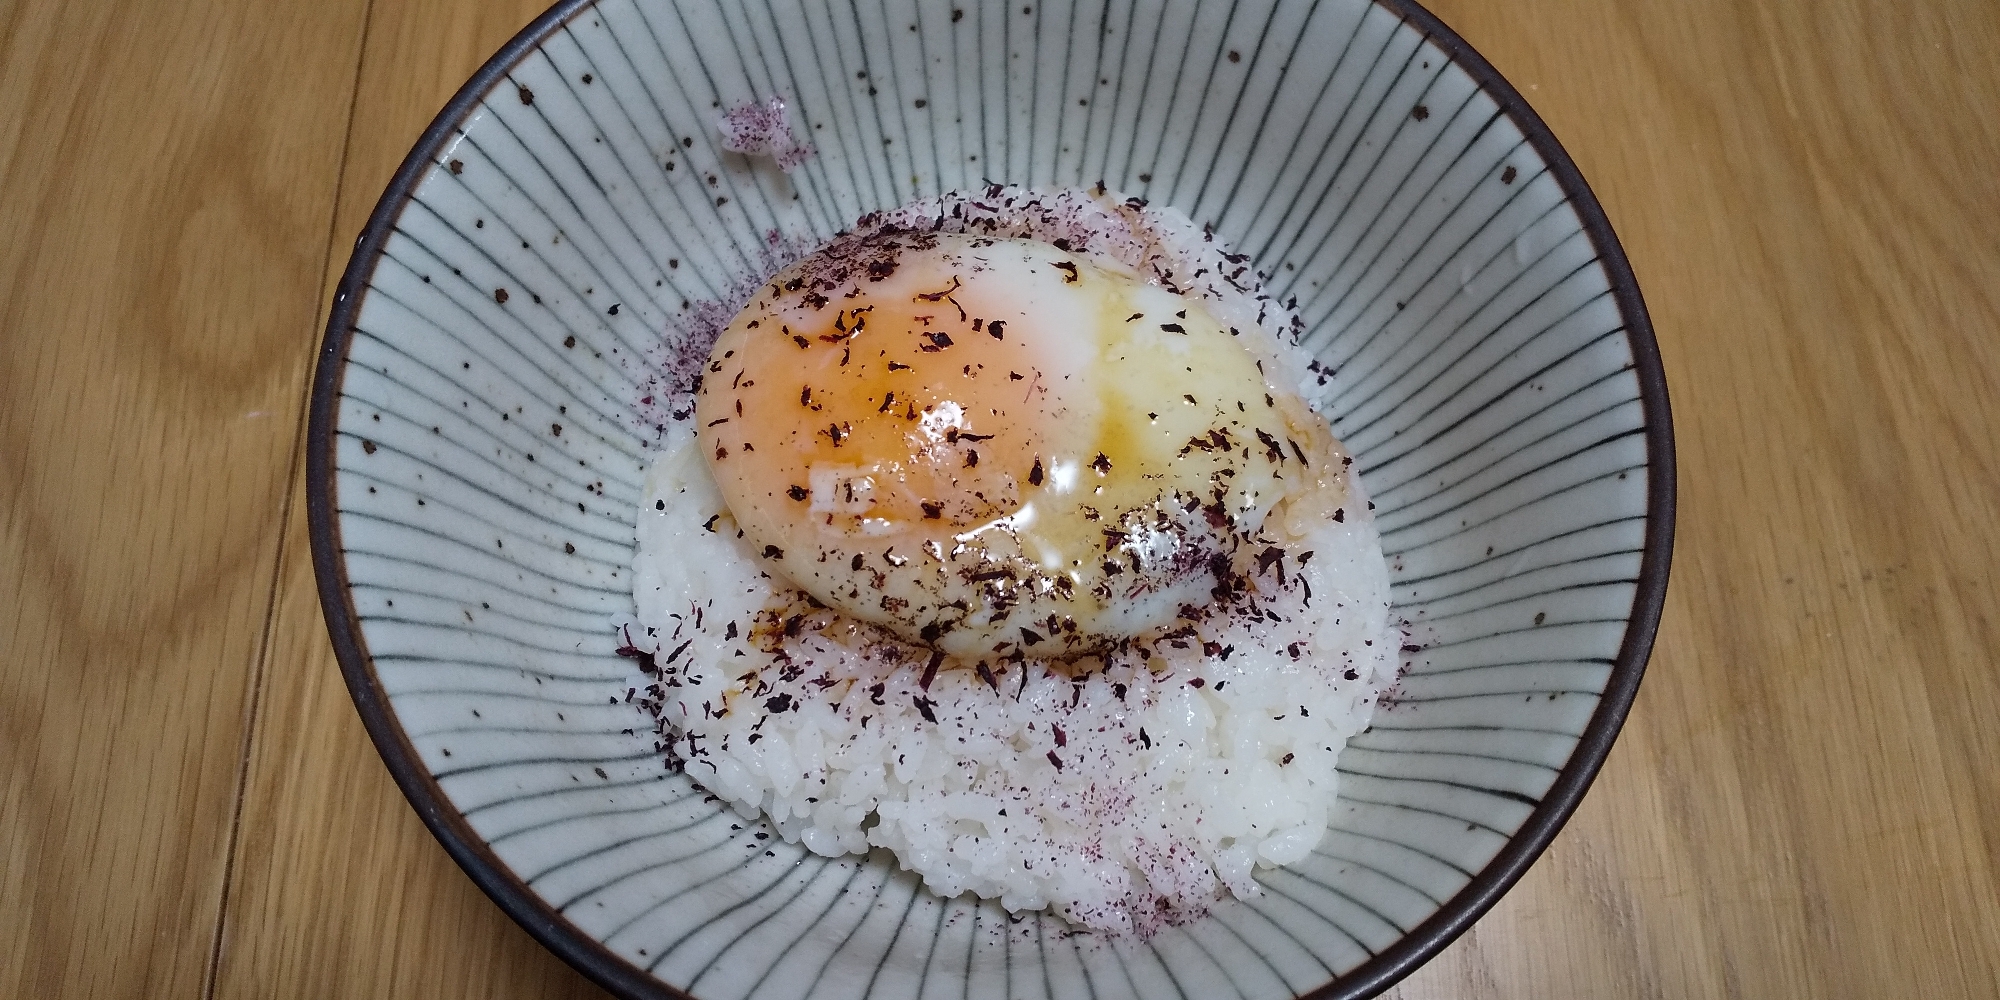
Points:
(999, 447)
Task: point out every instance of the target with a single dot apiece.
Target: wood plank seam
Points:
(261, 665)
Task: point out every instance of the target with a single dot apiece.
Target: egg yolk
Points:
(996, 446)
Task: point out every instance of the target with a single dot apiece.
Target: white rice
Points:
(1124, 792)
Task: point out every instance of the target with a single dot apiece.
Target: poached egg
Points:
(999, 447)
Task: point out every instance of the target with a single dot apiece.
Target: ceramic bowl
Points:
(477, 447)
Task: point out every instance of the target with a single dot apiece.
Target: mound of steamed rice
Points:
(1124, 791)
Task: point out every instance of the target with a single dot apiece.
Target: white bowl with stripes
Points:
(478, 442)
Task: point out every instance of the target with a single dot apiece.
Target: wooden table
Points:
(1806, 801)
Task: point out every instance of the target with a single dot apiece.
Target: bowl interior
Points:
(493, 379)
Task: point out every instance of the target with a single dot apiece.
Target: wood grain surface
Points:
(1805, 802)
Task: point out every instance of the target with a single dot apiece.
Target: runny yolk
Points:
(910, 410)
